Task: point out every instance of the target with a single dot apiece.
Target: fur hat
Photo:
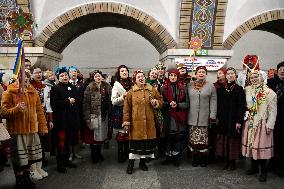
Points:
(181, 65)
(60, 70)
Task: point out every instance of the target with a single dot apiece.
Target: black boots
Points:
(130, 166)
(60, 163)
(20, 184)
(263, 170)
(142, 164)
(96, 153)
(195, 160)
(120, 154)
(203, 161)
(230, 165)
(27, 180)
(253, 168)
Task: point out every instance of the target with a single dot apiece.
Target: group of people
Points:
(151, 118)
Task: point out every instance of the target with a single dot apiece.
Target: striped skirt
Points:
(26, 148)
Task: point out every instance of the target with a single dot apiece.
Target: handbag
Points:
(4, 135)
(95, 121)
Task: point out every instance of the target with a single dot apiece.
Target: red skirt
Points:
(88, 137)
(228, 147)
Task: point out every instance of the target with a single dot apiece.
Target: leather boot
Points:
(60, 164)
(125, 150)
(27, 180)
(20, 184)
(232, 165)
(263, 170)
(94, 153)
(130, 166)
(253, 168)
(176, 160)
(195, 160)
(120, 154)
(142, 164)
(203, 161)
(100, 156)
(68, 163)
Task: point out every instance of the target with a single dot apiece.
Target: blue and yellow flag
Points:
(19, 60)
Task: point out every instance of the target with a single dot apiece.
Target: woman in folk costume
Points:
(138, 120)
(176, 103)
(153, 78)
(25, 122)
(97, 110)
(231, 106)
(122, 84)
(251, 62)
(64, 101)
(257, 138)
(159, 119)
(49, 83)
(201, 115)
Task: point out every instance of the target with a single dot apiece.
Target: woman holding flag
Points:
(25, 122)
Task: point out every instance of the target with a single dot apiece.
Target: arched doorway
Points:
(65, 28)
(271, 21)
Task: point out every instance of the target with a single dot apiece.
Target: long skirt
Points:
(262, 146)
(228, 147)
(25, 148)
(142, 148)
(99, 135)
(198, 140)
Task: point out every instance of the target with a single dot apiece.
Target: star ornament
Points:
(20, 21)
(195, 43)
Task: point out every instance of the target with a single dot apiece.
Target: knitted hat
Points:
(60, 70)
(280, 65)
(161, 65)
(175, 71)
(201, 67)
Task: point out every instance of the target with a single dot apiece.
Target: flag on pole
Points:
(19, 60)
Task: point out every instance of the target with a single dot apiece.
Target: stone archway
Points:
(71, 24)
(271, 21)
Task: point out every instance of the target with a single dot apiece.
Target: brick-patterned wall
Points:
(251, 24)
(62, 30)
(219, 24)
(185, 23)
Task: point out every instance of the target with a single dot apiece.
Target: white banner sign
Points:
(212, 64)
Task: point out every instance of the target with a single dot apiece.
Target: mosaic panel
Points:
(203, 16)
(7, 36)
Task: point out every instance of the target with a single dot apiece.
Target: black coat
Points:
(231, 106)
(277, 86)
(65, 116)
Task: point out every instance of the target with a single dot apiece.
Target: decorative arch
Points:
(271, 21)
(71, 24)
